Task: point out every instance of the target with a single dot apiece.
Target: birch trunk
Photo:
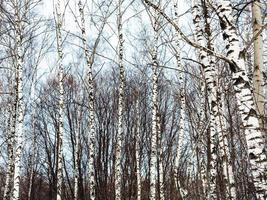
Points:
(153, 154)
(10, 152)
(160, 159)
(224, 148)
(211, 89)
(61, 102)
(137, 150)
(91, 140)
(20, 105)
(32, 163)
(118, 149)
(77, 155)
(216, 108)
(202, 143)
(258, 60)
(33, 125)
(180, 138)
(246, 106)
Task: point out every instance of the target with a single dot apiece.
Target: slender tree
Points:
(208, 69)
(153, 154)
(91, 135)
(60, 130)
(180, 138)
(120, 134)
(20, 103)
(258, 60)
(137, 148)
(10, 152)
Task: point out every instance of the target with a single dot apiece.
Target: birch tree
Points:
(242, 87)
(180, 138)
(77, 154)
(10, 152)
(154, 133)
(140, 137)
(91, 135)
(217, 125)
(137, 148)
(61, 101)
(119, 137)
(258, 60)
(20, 104)
(33, 155)
(209, 74)
(254, 138)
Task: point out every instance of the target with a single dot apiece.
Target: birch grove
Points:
(142, 99)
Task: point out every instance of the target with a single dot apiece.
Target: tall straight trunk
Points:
(32, 161)
(61, 102)
(10, 147)
(10, 151)
(137, 150)
(180, 138)
(77, 156)
(118, 149)
(246, 106)
(216, 103)
(153, 154)
(214, 100)
(91, 135)
(20, 105)
(258, 60)
(211, 89)
(33, 153)
(224, 147)
(202, 143)
(160, 159)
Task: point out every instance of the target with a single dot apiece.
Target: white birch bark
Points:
(160, 159)
(118, 149)
(224, 147)
(10, 152)
(20, 105)
(137, 150)
(211, 89)
(180, 138)
(61, 102)
(258, 60)
(202, 143)
(91, 136)
(246, 106)
(10, 147)
(153, 154)
(33, 154)
(216, 116)
(32, 163)
(77, 155)
(216, 109)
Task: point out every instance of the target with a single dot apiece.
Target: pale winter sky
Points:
(130, 22)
